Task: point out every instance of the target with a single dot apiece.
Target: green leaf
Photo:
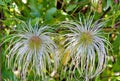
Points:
(70, 8)
(109, 3)
(50, 12)
(7, 1)
(35, 9)
(1, 2)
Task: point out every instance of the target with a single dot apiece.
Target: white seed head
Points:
(87, 47)
(31, 49)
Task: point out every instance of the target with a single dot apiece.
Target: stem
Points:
(105, 12)
(117, 25)
(1, 26)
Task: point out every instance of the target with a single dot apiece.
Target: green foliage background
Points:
(52, 12)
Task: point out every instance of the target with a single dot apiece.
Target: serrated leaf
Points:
(35, 14)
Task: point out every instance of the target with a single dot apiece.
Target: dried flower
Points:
(87, 47)
(31, 48)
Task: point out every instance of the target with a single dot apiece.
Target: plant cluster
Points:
(32, 50)
(60, 40)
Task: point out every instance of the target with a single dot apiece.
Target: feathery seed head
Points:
(87, 47)
(30, 49)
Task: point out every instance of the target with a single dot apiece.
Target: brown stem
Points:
(117, 24)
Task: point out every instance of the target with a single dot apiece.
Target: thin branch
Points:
(109, 8)
(117, 24)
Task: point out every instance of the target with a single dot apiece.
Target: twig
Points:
(105, 12)
(117, 24)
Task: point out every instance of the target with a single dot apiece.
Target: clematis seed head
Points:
(87, 46)
(31, 49)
